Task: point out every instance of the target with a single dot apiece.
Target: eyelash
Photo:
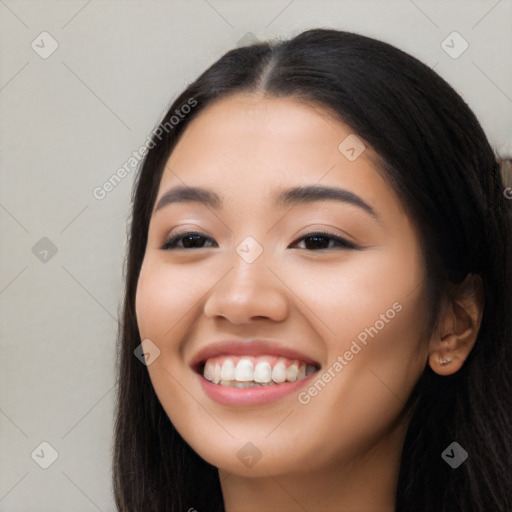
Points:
(171, 243)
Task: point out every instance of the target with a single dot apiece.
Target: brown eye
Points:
(321, 241)
(189, 239)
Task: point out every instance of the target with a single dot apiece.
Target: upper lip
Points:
(251, 347)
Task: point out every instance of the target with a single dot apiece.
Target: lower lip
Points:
(228, 395)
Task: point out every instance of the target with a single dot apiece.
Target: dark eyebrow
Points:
(185, 193)
(311, 193)
(285, 198)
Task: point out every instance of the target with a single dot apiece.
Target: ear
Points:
(457, 327)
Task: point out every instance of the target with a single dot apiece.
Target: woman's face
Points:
(261, 294)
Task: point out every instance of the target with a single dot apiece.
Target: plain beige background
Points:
(70, 119)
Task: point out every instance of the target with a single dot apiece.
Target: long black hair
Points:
(435, 154)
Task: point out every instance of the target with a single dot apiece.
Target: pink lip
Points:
(251, 396)
(247, 348)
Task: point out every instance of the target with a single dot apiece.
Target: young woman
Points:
(318, 293)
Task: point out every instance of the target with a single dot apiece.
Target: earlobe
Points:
(458, 326)
(446, 362)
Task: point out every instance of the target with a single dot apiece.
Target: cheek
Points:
(165, 297)
(149, 303)
(165, 294)
(364, 387)
(370, 312)
(343, 297)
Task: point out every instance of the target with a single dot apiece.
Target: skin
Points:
(340, 451)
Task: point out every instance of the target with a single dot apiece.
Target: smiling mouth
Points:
(253, 371)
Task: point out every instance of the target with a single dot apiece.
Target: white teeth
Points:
(208, 370)
(216, 373)
(228, 370)
(291, 372)
(244, 371)
(279, 372)
(263, 372)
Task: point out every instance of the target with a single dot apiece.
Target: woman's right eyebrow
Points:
(284, 198)
(185, 193)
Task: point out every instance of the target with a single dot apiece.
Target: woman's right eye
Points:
(189, 239)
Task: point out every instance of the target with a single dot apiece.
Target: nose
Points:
(247, 292)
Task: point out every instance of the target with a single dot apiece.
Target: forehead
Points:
(253, 119)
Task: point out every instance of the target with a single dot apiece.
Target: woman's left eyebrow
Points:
(311, 193)
(284, 198)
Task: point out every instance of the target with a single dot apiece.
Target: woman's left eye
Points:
(321, 241)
